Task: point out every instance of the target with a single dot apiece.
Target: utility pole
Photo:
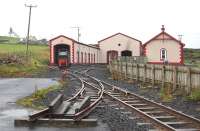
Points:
(78, 36)
(78, 31)
(180, 37)
(29, 22)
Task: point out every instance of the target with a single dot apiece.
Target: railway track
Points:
(93, 90)
(73, 109)
(155, 115)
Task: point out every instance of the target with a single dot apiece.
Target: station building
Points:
(163, 48)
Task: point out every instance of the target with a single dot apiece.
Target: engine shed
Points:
(74, 52)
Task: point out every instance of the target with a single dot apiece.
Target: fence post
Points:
(137, 72)
(126, 68)
(118, 66)
(163, 76)
(132, 71)
(174, 78)
(153, 75)
(145, 73)
(121, 73)
(189, 86)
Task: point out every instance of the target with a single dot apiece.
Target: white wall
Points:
(173, 50)
(85, 49)
(60, 40)
(111, 43)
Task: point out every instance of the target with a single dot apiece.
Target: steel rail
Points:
(158, 104)
(80, 91)
(47, 111)
(91, 107)
(83, 113)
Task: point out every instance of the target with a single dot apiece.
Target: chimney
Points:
(163, 28)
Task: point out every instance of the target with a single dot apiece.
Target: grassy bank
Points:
(32, 101)
(38, 59)
(192, 56)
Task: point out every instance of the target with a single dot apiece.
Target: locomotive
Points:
(63, 58)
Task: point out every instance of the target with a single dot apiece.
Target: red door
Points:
(111, 55)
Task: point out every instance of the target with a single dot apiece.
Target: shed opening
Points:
(61, 50)
(126, 53)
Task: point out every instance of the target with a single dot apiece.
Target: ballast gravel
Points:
(179, 103)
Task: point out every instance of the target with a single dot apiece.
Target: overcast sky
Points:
(141, 19)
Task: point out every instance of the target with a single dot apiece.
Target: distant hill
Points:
(7, 39)
(15, 40)
(192, 56)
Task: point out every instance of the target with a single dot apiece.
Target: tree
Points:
(10, 31)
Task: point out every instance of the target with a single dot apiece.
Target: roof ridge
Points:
(118, 34)
(163, 32)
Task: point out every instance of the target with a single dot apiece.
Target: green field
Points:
(38, 59)
(7, 39)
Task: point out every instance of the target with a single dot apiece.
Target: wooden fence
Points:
(178, 77)
(134, 59)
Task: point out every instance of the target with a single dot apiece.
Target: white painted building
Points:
(164, 48)
(118, 45)
(158, 50)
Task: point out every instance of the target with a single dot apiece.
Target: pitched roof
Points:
(61, 36)
(73, 41)
(118, 34)
(163, 33)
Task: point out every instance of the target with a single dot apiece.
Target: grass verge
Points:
(40, 94)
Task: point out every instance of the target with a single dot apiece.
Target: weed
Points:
(194, 95)
(166, 93)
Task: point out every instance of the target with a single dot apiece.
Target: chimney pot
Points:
(163, 28)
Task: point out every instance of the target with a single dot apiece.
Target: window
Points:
(85, 58)
(78, 57)
(94, 58)
(81, 57)
(89, 58)
(163, 54)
